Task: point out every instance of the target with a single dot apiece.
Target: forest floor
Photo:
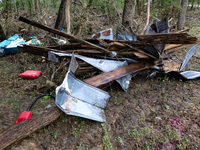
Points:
(155, 113)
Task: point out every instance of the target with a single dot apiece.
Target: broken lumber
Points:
(71, 37)
(67, 46)
(38, 50)
(171, 46)
(168, 38)
(118, 73)
(2, 34)
(25, 128)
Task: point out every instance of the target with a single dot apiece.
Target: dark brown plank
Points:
(168, 38)
(38, 50)
(118, 73)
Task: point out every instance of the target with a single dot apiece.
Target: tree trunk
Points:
(67, 14)
(83, 17)
(192, 5)
(170, 14)
(30, 8)
(138, 7)
(7, 14)
(2, 34)
(111, 10)
(37, 6)
(128, 13)
(61, 16)
(182, 15)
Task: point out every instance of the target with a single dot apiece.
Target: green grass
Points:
(106, 141)
(195, 29)
(77, 130)
(150, 136)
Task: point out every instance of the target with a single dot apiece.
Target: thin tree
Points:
(128, 13)
(67, 14)
(61, 15)
(182, 15)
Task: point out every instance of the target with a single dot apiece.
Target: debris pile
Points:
(144, 51)
(119, 60)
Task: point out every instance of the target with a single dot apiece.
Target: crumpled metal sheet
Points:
(187, 74)
(126, 34)
(159, 27)
(103, 65)
(77, 98)
(193, 49)
(190, 74)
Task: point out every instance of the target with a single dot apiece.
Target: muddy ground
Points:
(161, 112)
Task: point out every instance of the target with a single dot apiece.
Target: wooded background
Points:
(75, 15)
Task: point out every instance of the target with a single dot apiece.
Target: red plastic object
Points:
(24, 116)
(30, 73)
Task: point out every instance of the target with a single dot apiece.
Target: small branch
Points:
(61, 66)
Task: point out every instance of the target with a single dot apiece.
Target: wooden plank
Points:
(37, 50)
(132, 54)
(171, 46)
(140, 51)
(67, 46)
(167, 38)
(43, 51)
(2, 34)
(25, 128)
(118, 73)
(71, 37)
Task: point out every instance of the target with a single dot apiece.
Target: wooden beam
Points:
(168, 38)
(25, 128)
(118, 73)
(37, 50)
(71, 37)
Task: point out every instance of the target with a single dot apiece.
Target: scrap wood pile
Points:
(149, 49)
(119, 59)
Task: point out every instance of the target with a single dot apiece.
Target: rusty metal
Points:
(105, 35)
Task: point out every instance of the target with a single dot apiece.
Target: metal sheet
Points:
(159, 27)
(105, 35)
(187, 74)
(189, 54)
(190, 74)
(77, 98)
(103, 65)
(126, 34)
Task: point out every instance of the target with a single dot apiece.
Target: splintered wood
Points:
(143, 50)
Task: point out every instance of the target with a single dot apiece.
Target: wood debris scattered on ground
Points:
(92, 47)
